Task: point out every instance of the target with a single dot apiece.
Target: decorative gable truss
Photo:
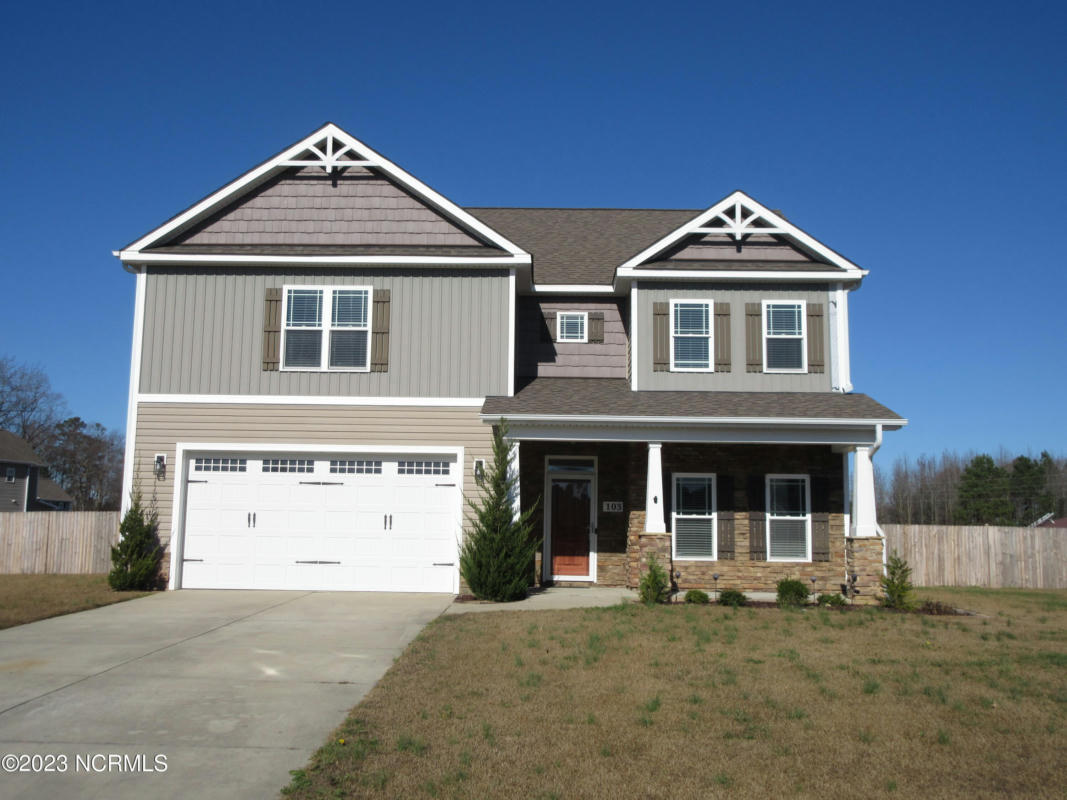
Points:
(739, 238)
(333, 154)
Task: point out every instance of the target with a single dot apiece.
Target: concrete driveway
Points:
(233, 688)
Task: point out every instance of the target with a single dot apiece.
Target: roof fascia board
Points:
(741, 275)
(576, 288)
(776, 422)
(740, 197)
(275, 164)
(136, 257)
(841, 437)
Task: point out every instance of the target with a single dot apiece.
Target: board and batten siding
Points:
(737, 379)
(204, 334)
(160, 426)
(537, 357)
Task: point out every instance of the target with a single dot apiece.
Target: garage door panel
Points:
(383, 526)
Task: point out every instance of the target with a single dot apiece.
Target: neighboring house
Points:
(322, 346)
(1061, 522)
(22, 486)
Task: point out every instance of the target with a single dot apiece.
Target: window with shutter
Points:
(327, 328)
(788, 518)
(572, 326)
(693, 517)
(783, 340)
(691, 345)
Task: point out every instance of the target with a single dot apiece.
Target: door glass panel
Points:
(571, 465)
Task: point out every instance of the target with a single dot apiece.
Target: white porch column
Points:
(654, 521)
(864, 516)
(513, 474)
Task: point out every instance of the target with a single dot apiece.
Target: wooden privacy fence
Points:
(945, 555)
(49, 542)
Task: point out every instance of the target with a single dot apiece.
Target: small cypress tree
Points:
(896, 583)
(136, 559)
(497, 556)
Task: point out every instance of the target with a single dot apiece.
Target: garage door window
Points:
(357, 467)
(220, 465)
(422, 467)
(288, 465)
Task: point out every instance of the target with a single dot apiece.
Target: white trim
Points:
(277, 163)
(760, 421)
(546, 555)
(843, 356)
(326, 326)
(722, 434)
(710, 304)
(512, 322)
(184, 450)
(634, 341)
(137, 257)
(807, 517)
(572, 288)
(134, 392)
(585, 326)
(736, 201)
(803, 337)
(26, 488)
(739, 275)
(312, 400)
(833, 321)
(714, 515)
(655, 521)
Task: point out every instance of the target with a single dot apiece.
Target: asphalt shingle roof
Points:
(15, 448)
(613, 397)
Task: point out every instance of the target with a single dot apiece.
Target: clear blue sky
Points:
(925, 141)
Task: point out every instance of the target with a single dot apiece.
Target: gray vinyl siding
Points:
(737, 380)
(448, 334)
(538, 358)
(160, 426)
(13, 495)
(308, 207)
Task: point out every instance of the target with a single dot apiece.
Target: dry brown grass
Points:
(686, 701)
(26, 598)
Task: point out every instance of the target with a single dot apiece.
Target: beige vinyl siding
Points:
(736, 380)
(536, 357)
(160, 426)
(204, 334)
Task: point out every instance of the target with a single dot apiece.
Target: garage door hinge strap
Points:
(192, 559)
(321, 483)
(193, 480)
(444, 484)
(318, 562)
(444, 563)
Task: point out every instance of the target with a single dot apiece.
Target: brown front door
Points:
(571, 498)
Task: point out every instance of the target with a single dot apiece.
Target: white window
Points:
(9, 475)
(355, 467)
(788, 518)
(783, 336)
(693, 517)
(422, 467)
(220, 465)
(691, 336)
(327, 328)
(288, 465)
(572, 326)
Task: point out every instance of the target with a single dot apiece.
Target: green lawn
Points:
(677, 702)
(26, 598)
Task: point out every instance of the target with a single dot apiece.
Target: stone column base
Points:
(863, 558)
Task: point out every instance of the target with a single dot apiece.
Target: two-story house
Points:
(322, 346)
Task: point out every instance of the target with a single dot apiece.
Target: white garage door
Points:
(335, 522)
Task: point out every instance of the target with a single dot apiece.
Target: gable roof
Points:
(336, 154)
(739, 220)
(582, 245)
(15, 449)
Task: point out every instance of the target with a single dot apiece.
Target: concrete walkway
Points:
(234, 689)
(553, 598)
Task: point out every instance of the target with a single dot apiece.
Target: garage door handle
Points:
(249, 519)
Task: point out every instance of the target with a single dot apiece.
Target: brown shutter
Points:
(661, 337)
(725, 531)
(816, 359)
(379, 351)
(820, 537)
(757, 536)
(754, 337)
(596, 327)
(722, 337)
(272, 329)
(548, 331)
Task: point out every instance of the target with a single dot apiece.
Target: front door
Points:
(572, 499)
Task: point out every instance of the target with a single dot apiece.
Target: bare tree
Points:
(28, 405)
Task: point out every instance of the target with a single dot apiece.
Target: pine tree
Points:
(497, 556)
(136, 559)
(984, 494)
